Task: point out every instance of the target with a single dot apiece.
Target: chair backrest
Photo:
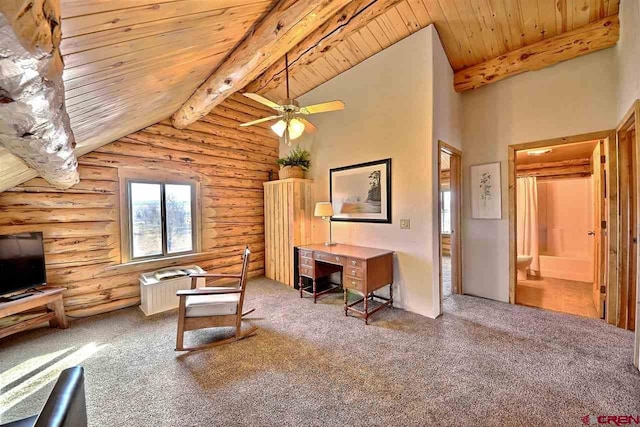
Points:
(245, 266)
(243, 276)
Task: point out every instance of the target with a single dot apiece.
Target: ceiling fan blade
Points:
(308, 126)
(255, 122)
(264, 101)
(323, 108)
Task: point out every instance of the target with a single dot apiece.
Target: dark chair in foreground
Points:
(214, 306)
(65, 406)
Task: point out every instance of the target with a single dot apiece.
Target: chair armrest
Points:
(221, 276)
(207, 291)
(66, 404)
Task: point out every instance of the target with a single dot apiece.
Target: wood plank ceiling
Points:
(132, 63)
(472, 31)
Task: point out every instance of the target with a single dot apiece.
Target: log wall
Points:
(81, 225)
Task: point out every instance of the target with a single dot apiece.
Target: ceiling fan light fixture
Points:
(279, 127)
(291, 122)
(296, 128)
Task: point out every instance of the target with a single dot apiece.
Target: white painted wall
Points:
(390, 114)
(628, 52)
(573, 97)
(447, 127)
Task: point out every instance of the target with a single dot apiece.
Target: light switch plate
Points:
(405, 224)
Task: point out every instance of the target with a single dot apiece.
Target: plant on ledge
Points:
(295, 163)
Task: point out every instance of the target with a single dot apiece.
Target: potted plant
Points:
(294, 164)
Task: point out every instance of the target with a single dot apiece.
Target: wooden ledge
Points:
(159, 262)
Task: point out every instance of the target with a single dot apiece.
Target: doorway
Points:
(450, 219)
(558, 219)
(624, 301)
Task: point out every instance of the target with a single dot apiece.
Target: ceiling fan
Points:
(291, 116)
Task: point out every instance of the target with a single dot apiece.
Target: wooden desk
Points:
(49, 297)
(364, 270)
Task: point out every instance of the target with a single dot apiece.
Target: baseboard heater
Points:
(158, 288)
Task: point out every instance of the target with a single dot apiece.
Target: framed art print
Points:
(361, 193)
(486, 191)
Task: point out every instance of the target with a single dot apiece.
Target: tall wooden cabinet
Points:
(288, 212)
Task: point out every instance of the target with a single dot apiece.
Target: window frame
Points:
(444, 212)
(126, 213)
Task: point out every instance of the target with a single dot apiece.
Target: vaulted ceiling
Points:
(132, 63)
(472, 31)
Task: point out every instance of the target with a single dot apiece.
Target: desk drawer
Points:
(306, 262)
(355, 284)
(306, 272)
(305, 253)
(353, 272)
(331, 259)
(353, 262)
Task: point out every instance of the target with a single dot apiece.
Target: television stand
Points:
(16, 297)
(49, 297)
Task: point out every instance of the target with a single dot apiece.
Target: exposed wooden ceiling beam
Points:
(284, 26)
(34, 124)
(589, 38)
(350, 19)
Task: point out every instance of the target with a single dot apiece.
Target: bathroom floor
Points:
(566, 296)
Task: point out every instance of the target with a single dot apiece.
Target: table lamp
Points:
(325, 210)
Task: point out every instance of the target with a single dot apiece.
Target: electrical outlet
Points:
(405, 224)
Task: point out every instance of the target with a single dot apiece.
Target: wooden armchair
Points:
(215, 306)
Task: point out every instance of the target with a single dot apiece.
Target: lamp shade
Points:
(279, 127)
(296, 128)
(323, 209)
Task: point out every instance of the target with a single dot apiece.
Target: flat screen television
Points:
(21, 262)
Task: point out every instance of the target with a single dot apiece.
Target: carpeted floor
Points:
(481, 363)
(446, 276)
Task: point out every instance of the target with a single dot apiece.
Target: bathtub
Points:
(578, 269)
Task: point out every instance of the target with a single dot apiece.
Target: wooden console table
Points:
(364, 270)
(49, 297)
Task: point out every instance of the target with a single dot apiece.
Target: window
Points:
(446, 212)
(161, 218)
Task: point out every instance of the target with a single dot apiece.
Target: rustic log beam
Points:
(286, 25)
(552, 170)
(34, 124)
(589, 38)
(350, 19)
(557, 164)
(565, 176)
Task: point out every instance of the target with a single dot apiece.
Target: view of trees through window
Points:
(148, 206)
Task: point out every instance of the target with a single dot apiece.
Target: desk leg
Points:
(346, 301)
(366, 309)
(60, 320)
(391, 295)
(314, 291)
(300, 285)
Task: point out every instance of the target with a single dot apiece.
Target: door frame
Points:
(632, 117)
(512, 149)
(456, 236)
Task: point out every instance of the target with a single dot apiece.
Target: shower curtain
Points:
(527, 221)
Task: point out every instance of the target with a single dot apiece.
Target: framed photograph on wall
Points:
(361, 193)
(486, 191)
